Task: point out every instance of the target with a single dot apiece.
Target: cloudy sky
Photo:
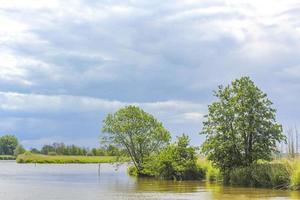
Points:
(65, 64)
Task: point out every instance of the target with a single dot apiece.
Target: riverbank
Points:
(45, 159)
(7, 157)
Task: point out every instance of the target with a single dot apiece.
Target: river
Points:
(81, 182)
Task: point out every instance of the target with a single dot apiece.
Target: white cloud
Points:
(173, 111)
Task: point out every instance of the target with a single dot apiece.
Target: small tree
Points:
(240, 127)
(19, 150)
(135, 131)
(8, 144)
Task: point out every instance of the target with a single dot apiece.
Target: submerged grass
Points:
(45, 159)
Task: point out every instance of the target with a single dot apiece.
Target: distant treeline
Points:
(73, 150)
(10, 146)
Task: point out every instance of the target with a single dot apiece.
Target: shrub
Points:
(178, 161)
(132, 171)
(210, 172)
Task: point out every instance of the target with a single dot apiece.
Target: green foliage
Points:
(73, 150)
(211, 173)
(132, 171)
(34, 150)
(19, 150)
(8, 144)
(98, 152)
(240, 126)
(7, 157)
(62, 149)
(177, 161)
(273, 175)
(138, 133)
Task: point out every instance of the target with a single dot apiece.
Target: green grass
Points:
(7, 157)
(44, 159)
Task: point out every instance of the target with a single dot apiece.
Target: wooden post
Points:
(99, 167)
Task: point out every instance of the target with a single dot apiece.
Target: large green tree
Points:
(8, 144)
(135, 131)
(240, 127)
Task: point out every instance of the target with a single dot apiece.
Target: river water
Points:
(81, 182)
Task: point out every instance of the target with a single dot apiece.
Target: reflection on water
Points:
(81, 182)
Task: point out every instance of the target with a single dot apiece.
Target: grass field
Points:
(38, 158)
(7, 157)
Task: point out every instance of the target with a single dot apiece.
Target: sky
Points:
(64, 65)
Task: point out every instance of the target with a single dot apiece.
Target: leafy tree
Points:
(47, 148)
(8, 144)
(135, 131)
(35, 151)
(19, 150)
(99, 151)
(240, 126)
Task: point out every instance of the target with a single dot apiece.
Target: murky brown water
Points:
(81, 182)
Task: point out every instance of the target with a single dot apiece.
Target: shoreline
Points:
(63, 159)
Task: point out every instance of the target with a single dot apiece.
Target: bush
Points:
(177, 161)
(132, 171)
(210, 172)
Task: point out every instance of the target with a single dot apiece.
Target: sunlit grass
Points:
(211, 173)
(38, 158)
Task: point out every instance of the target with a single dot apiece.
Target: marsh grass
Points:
(45, 159)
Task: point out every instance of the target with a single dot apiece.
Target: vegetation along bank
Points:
(241, 140)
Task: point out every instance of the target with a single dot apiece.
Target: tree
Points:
(47, 148)
(240, 127)
(35, 151)
(19, 150)
(8, 144)
(135, 131)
